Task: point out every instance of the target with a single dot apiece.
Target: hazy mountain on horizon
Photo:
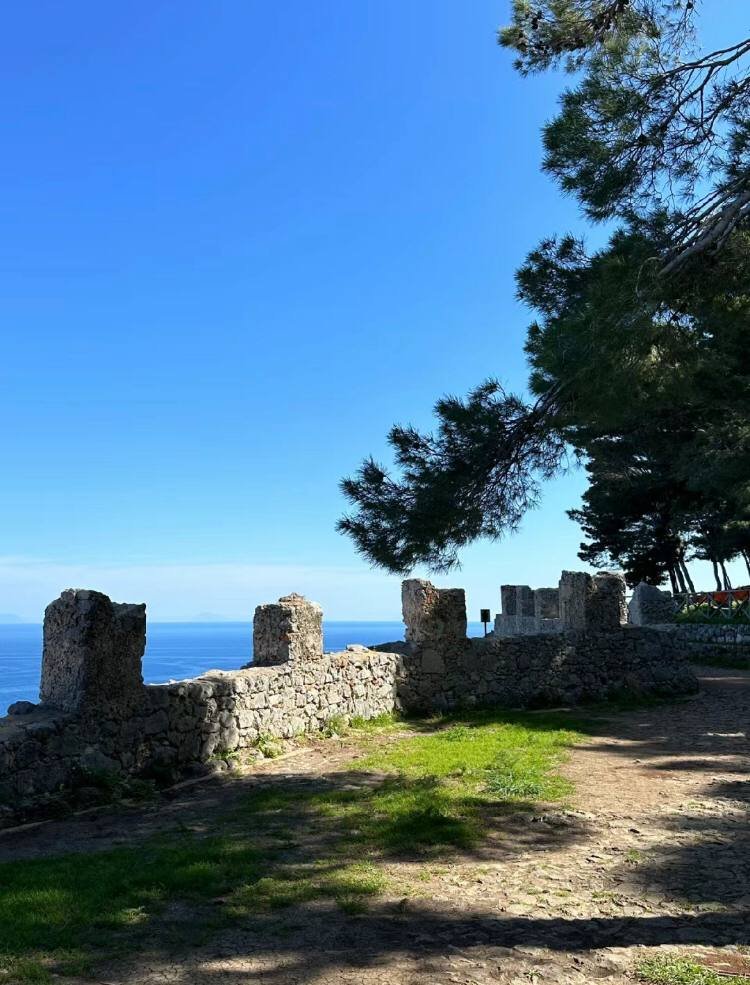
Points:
(7, 618)
(211, 617)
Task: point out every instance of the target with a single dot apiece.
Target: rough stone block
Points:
(524, 601)
(508, 600)
(606, 605)
(288, 630)
(596, 604)
(93, 650)
(434, 617)
(575, 589)
(650, 606)
(547, 603)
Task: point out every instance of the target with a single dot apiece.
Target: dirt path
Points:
(654, 850)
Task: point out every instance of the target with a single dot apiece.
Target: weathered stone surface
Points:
(92, 653)
(596, 604)
(525, 601)
(729, 643)
(287, 630)
(606, 607)
(649, 606)
(433, 615)
(576, 588)
(547, 603)
(526, 611)
(21, 708)
(508, 599)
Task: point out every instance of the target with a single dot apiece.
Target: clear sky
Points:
(241, 239)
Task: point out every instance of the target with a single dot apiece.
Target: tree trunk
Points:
(688, 579)
(716, 574)
(725, 576)
(673, 580)
(680, 579)
(746, 558)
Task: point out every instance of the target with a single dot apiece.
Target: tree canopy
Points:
(639, 356)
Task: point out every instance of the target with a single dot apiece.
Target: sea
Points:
(175, 650)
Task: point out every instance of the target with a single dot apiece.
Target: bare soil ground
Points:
(652, 851)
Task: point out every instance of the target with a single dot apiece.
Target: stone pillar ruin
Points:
(547, 603)
(433, 615)
(607, 607)
(288, 630)
(435, 620)
(93, 652)
(575, 589)
(595, 604)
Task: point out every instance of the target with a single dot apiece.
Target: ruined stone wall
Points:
(161, 729)
(575, 665)
(579, 603)
(527, 611)
(126, 727)
(548, 669)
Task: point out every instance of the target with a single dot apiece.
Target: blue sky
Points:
(241, 239)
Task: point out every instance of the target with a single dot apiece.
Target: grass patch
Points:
(486, 756)
(680, 971)
(380, 723)
(268, 746)
(290, 843)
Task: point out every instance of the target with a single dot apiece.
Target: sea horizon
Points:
(178, 650)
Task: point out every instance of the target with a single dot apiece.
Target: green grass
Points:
(485, 757)
(680, 971)
(380, 723)
(286, 845)
(268, 746)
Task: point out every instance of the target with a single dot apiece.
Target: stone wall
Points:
(161, 729)
(550, 669)
(580, 603)
(597, 657)
(705, 642)
(97, 715)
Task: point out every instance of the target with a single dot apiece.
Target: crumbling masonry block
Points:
(288, 630)
(596, 604)
(433, 615)
(93, 652)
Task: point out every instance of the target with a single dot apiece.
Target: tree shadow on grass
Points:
(288, 872)
(291, 842)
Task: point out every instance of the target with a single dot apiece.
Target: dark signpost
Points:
(484, 616)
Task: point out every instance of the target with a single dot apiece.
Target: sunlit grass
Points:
(491, 756)
(680, 971)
